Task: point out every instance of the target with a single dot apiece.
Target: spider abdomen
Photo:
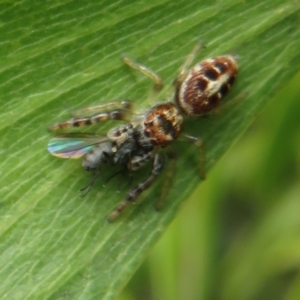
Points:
(205, 85)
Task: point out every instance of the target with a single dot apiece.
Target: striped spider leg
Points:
(95, 114)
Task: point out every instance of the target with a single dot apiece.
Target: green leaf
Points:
(60, 56)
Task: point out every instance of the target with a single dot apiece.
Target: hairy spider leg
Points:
(157, 168)
(124, 113)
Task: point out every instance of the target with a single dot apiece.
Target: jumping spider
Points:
(197, 92)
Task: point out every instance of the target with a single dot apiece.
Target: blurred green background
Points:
(238, 236)
(235, 239)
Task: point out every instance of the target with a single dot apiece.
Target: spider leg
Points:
(92, 110)
(136, 191)
(168, 179)
(202, 153)
(187, 63)
(121, 113)
(158, 82)
(229, 103)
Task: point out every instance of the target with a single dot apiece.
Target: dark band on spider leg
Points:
(116, 114)
(157, 168)
(132, 196)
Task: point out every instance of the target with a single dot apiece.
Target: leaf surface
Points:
(58, 57)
